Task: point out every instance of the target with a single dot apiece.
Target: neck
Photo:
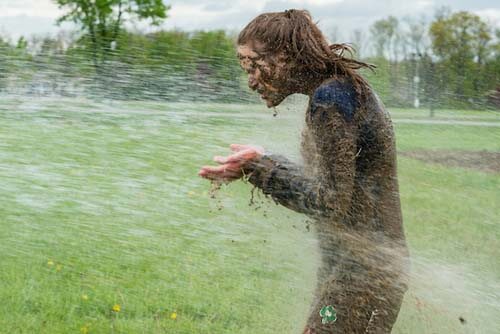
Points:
(307, 82)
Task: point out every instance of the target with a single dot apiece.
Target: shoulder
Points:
(339, 94)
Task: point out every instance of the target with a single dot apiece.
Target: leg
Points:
(362, 307)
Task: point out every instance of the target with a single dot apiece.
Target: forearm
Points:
(330, 192)
(285, 182)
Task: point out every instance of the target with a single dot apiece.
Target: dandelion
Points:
(84, 329)
(173, 316)
(50, 263)
(191, 193)
(85, 297)
(59, 267)
(117, 308)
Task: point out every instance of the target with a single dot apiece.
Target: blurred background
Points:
(108, 108)
(431, 54)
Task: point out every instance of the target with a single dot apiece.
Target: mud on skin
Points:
(348, 184)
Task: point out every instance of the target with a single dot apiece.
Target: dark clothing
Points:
(349, 185)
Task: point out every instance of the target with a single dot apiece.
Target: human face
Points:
(265, 76)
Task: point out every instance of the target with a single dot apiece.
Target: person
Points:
(348, 182)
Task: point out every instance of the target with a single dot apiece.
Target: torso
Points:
(374, 217)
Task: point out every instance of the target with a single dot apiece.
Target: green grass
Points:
(103, 200)
(440, 114)
(447, 137)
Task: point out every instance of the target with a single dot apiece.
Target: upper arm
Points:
(335, 134)
(337, 96)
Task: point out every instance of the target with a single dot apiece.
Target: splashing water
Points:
(104, 222)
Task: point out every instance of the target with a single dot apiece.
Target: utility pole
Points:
(416, 80)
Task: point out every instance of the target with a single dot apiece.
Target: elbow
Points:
(337, 203)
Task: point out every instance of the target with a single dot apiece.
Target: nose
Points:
(252, 82)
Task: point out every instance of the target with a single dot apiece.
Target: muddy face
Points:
(266, 75)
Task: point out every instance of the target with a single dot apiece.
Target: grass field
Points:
(106, 228)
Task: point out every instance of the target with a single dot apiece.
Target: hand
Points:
(231, 167)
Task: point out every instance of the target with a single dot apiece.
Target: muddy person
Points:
(348, 182)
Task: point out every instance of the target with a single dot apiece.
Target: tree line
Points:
(451, 61)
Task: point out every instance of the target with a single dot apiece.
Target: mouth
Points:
(269, 97)
(268, 101)
(262, 94)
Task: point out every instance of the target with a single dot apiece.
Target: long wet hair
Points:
(294, 34)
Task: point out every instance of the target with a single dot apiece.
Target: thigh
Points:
(361, 307)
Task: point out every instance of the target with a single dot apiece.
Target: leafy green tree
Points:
(461, 42)
(22, 43)
(416, 35)
(5, 49)
(217, 68)
(15, 63)
(492, 73)
(103, 20)
(385, 34)
(172, 48)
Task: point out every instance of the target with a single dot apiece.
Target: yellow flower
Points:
(191, 193)
(50, 263)
(173, 316)
(85, 297)
(59, 267)
(84, 329)
(117, 308)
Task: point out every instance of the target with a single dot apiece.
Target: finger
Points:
(220, 159)
(209, 170)
(237, 157)
(238, 147)
(221, 169)
(223, 172)
(207, 174)
(241, 156)
(223, 179)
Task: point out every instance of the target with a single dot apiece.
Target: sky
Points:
(336, 17)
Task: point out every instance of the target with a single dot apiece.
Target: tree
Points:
(387, 40)
(492, 72)
(461, 41)
(15, 60)
(415, 35)
(5, 49)
(358, 40)
(385, 37)
(102, 20)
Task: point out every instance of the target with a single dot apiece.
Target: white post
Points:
(416, 80)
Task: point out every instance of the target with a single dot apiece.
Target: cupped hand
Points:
(231, 167)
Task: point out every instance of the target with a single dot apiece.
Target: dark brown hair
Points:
(294, 34)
